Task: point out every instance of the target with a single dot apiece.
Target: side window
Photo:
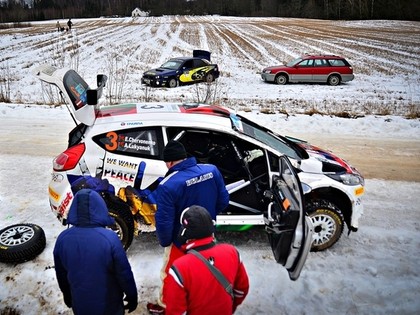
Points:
(235, 158)
(320, 62)
(273, 160)
(188, 64)
(199, 63)
(138, 142)
(306, 63)
(336, 62)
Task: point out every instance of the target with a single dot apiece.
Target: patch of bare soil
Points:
(388, 159)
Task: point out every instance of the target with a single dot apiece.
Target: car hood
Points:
(160, 71)
(324, 161)
(277, 67)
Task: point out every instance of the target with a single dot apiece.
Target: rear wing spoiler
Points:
(203, 54)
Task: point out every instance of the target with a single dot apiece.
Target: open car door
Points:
(289, 229)
(74, 90)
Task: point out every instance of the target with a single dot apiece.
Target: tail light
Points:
(69, 158)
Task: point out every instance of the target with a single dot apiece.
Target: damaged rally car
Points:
(272, 180)
(183, 70)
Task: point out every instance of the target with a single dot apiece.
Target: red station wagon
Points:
(329, 69)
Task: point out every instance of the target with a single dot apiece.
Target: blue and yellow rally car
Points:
(183, 70)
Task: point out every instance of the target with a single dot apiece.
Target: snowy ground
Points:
(373, 271)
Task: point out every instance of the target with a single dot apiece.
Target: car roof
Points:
(185, 58)
(165, 114)
(321, 56)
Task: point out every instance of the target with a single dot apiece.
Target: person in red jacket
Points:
(185, 184)
(190, 287)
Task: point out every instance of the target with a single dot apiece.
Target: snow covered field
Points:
(385, 56)
(373, 271)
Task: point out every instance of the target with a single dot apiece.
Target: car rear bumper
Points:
(347, 77)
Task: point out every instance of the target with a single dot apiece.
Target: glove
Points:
(131, 304)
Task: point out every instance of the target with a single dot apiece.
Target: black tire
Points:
(328, 223)
(209, 78)
(334, 80)
(173, 83)
(281, 79)
(124, 223)
(21, 242)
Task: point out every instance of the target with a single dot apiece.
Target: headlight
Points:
(348, 179)
(266, 71)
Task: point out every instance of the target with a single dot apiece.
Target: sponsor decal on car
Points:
(53, 194)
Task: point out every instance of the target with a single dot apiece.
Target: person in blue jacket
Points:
(185, 184)
(91, 266)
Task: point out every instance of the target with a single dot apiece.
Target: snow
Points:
(372, 271)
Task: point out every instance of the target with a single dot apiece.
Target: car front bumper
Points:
(268, 77)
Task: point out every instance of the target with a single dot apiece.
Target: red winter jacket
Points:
(190, 287)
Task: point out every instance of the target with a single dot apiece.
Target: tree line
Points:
(36, 10)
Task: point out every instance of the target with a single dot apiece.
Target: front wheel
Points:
(328, 223)
(281, 79)
(21, 242)
(173, 82)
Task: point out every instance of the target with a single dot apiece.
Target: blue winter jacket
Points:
(187, 183)
(91, 265)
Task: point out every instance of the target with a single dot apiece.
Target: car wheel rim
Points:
(324, 228)
(334, 81)
(118, 230)
(17, 235)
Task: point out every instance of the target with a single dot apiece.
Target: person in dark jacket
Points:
(69, 24)
(185, 184)
(91, 266)
(190, 287)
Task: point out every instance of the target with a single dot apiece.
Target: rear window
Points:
(337, 62)
(76, 88)
(138, 142)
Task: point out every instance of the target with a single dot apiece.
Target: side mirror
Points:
(93, 95)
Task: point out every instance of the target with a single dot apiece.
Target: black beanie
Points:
(196, 223)
(174, 151)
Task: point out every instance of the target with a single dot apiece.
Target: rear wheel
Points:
(21, 242)
(334, 80)
(173, 82)
(281, 79)
(328, 223)
(124, 221)
(209, 78)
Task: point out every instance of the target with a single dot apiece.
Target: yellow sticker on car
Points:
(194, 74)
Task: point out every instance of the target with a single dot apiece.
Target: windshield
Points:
(294, 62)
(172, 64)
(267, 137)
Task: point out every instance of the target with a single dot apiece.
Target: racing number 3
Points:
(112, 138)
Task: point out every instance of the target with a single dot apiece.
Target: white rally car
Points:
(117, 150)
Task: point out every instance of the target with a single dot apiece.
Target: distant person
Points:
(190, 287)
(69, 24)
(91, 265)
(185, 184)
(58, 26)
